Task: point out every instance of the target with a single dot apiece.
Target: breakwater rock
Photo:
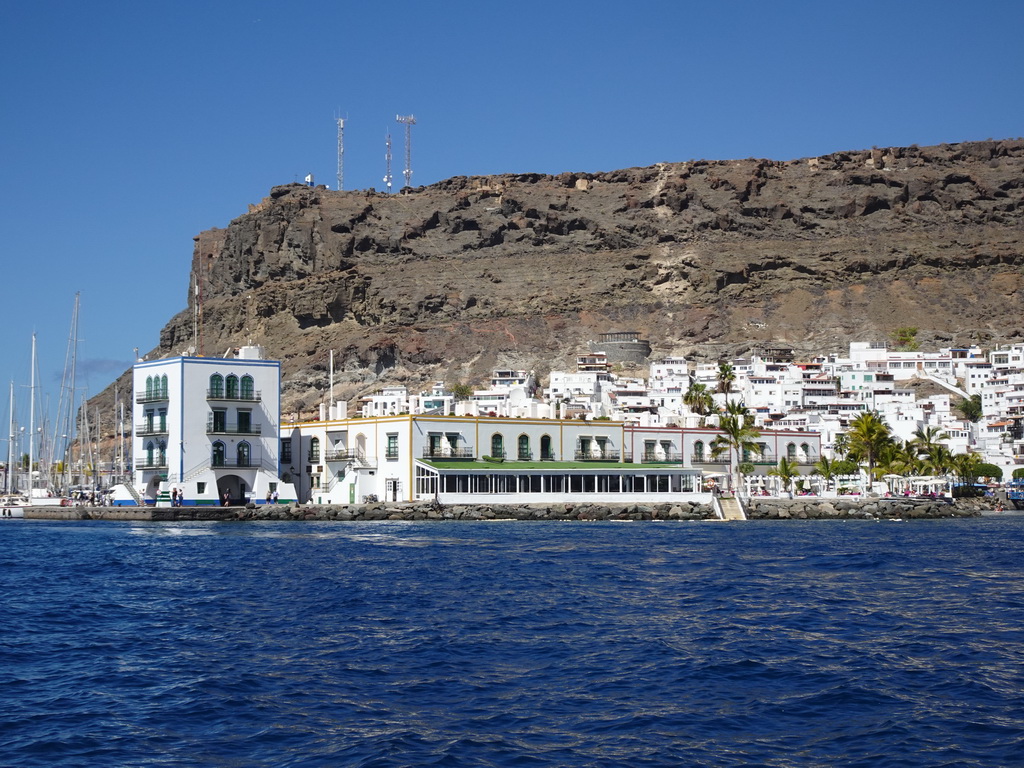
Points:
(757, 509)
(893, 508)
(681, 510)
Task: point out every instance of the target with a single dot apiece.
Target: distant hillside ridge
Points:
(702, 258)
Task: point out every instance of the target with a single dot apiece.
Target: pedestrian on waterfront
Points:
(274, 497)
(225, 499)
(269, 496)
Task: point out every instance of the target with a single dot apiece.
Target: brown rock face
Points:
(451, 280)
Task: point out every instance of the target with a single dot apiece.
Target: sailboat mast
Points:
(32, 418)
(10, 445)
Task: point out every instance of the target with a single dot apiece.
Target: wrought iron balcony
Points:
(704, 458)
(340, 454)
(670, 457)
(225, 428)
(151, 397)
(606, 455)
(155, 462)
(149, 430)
(222, 394)
(442, 453)
(219, 463)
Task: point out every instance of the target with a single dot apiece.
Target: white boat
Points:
(12, 506)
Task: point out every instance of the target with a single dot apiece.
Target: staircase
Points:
(729, 508)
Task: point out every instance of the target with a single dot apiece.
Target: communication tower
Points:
(387, 160)
(341, 152)
(409, 121)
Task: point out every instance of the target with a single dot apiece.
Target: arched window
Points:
(216, 385)
(244, 452)
(163, 385)
(218, 454)
(805, 449)
(698, 451)
(162, 458)
(314, 449)
(231, 387)
(497, 446)
(149, 453)
(149, 386)
(524, 448)
(247, 388)
(545, 448)
(791, 451)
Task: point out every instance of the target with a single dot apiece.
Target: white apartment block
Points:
(207, 427)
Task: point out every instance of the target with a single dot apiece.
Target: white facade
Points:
(464, 459)
(206, 427)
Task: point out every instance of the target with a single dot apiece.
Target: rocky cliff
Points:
(702, 258)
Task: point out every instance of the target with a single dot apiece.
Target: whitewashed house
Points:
(207, 427)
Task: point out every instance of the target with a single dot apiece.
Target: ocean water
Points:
(824, 643)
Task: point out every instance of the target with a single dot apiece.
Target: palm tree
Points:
(826, 469)
(841, 445)
(867, 434)
(926, 438)
(966, 467)
(787, 471)
(736, 426)
(699, 400)
(899, 458)
(726, 378)
(971, 408)
(940, 460)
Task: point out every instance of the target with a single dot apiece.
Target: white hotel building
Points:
(493, 459)
(206, 427)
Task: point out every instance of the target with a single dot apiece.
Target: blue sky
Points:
(129, 127)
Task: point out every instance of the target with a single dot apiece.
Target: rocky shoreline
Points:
(757, 509)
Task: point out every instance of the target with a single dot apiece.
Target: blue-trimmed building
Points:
(207, 428)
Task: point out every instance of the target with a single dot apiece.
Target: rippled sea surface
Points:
(512, 644)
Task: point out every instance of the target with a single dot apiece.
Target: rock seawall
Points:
(757, 509)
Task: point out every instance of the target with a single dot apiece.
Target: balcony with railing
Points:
(153, 396)
(151, 462)
(606, 455)
(216, 427)
(341, 454)
(707, 458)
(441, 453)
(147, 429)
(237, 463)
(244, 395)
(661, 457)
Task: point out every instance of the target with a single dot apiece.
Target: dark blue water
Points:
(512, 644)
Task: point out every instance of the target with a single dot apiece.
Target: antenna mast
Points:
(408, 121)
(341, 153)
(387, 159)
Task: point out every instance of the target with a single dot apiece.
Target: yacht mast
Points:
(64, 426)
(10, 445)
(32, 419)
